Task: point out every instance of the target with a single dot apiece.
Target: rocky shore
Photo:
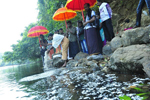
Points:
(128, 52)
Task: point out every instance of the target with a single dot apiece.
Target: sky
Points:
(15, 15)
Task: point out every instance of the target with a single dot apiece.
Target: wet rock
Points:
(81, 55)
(133, 58)
(57, 62)
(107, 49)
(72, 63)
(115, 43)
(136, 36)
(105, 69)
(95, 57)
(92, 64)
(82, 63)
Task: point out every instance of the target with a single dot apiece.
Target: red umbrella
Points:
(37, 31)
(78, 5)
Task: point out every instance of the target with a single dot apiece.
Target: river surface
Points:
(29, 82)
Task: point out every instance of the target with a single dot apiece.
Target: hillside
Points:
(126, 10)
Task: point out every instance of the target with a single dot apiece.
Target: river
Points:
(29, 82)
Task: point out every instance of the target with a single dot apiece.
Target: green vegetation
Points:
(27, 49)
(142, 90)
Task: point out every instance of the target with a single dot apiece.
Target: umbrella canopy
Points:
(63, 14)
(78, 5)
(37, 31)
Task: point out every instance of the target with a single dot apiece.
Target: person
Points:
(56, 32)
(43, 45)
(101, 30)
(106, 15)
(91, 34)
(61, 32)
(64, 41)
(80, 32)
(139, 11)
(72, 36)
(50, 37)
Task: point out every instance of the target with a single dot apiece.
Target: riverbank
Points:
(128, 52)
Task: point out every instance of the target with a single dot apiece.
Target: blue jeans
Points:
(141, 5)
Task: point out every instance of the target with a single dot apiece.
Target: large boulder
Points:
(115, 43)
(136, 36)
(107, 49)
(134, 58)
(81, 55)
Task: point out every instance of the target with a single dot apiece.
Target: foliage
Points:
(27, 48)
(124, 98)
(144, 93)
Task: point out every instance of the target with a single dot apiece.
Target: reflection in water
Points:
(10, 89)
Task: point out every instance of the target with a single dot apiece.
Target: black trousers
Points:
(108, 29)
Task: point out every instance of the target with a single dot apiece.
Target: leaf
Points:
(124, 98)
(145, 97)
(138, 89)
(141, 94)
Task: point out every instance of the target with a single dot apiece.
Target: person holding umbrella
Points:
(43, 43)
(91, 34)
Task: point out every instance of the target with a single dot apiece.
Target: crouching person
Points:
(64, 41)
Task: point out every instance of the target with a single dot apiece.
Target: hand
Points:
(68, 30)
(84, 23)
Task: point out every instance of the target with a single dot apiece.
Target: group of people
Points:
(89, 36)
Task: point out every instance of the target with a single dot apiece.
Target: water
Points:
(10, 89)
(78, 83)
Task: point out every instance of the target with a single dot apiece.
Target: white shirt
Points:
(87, 19)
(105, 11)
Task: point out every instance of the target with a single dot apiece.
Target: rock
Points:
(107, 49)
(136, 36)
(82, 62)
(57, 62)
(115, 43)
(105, 69)
(95, 57)
(81, 55)
(133, 58)
(71, 63)
(92, 64)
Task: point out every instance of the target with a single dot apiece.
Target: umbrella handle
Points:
(65, 21)
(39, 41)
(83, 16)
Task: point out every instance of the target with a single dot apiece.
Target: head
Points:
(41, 36)
(79, 23)
(69, 24)
(57, 31)
(60, 30)
(86, 7)
(50, 36)
(99, 2)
